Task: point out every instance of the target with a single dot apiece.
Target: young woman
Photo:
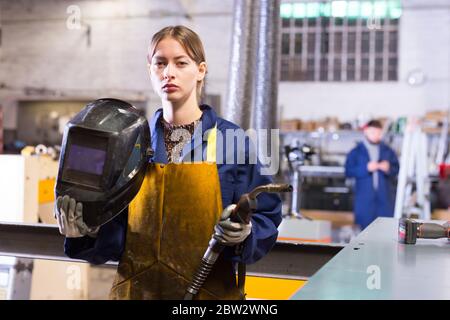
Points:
(163, 235)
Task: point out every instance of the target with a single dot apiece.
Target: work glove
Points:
(231, 233)
(69, 215)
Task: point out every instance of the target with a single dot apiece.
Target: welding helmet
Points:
(104, 155)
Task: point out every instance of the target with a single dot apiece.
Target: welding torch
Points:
(242, 213)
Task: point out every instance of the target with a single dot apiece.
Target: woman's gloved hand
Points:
(69, 215)
(231, 233)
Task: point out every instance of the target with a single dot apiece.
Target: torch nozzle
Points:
(272, 187)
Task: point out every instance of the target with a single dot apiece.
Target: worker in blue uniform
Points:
(159, 250)
(374, 165)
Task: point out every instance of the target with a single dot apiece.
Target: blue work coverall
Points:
(235, 180)
(370, 203)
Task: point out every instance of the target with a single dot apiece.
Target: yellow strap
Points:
(212, 145)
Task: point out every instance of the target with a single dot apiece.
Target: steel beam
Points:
(286, 259)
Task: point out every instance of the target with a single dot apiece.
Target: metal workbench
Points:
(375, 257)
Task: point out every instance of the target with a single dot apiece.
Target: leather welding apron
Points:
(170, 223)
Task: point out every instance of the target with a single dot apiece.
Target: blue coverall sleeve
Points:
(266, 218)
(393, 164)
(108, 245)
(355, 168)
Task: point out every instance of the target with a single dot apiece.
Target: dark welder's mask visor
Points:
(85, 160)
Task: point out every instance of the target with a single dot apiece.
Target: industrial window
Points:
(340, 40)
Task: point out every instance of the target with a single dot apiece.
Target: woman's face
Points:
(173, 73)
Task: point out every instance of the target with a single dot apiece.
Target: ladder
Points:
(413, 186)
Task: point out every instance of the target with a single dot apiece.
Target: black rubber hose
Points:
(199, 279)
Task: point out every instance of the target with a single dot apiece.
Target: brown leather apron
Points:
(170, 223)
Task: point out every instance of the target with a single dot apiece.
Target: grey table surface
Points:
(376, 266)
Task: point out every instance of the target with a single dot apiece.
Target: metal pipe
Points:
(240, 84)
(264, 114)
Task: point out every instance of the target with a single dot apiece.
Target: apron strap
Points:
(212, 145)
(241, 278)
(211, 157)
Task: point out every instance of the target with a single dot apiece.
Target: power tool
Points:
(410, 230)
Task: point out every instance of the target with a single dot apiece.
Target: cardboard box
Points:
(309, 125)
(436, 115)
(331, 124)
(433, 120)
(290, 125)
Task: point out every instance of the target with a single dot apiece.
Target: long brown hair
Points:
(188, 39)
